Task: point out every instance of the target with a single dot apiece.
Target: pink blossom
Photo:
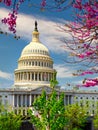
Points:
(7, 2)
(43, 3)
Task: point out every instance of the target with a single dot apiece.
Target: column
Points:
(17, 101)
(34, 76)
(27, 76)
(30, 76)
(38, 76)
(13, 99)
(25, 100)
(23, 76)
(21, 100)
(30, 103)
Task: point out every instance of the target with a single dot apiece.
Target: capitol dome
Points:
(35, 66)
(34, 48)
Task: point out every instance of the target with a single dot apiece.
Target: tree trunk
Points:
(47, 128)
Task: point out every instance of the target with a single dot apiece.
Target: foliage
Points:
(83, 43)
(50, 112)
(76, 116)
(53, 81)
(95, 118)
(8, 120)
(95, 121)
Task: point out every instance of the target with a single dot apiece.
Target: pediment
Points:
(39, 90)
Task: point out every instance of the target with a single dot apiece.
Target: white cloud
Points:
(63, 71)
(49, 33)
(5, 75)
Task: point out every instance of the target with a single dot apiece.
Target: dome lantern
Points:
(35, 34)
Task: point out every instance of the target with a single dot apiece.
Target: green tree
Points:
(76, 117)
(51, 112)
(9, 120)
(95, 118)
(95, 121)
(53, 81)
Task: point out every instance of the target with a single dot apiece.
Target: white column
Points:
(18, 76)
(13, 100)
(34, 76)
(27, 76)
(17, 101)
(23, 76)
(21, 100)
(30, 100)
(30, 76)
(37, 76)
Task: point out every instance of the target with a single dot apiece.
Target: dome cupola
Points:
(35, 47)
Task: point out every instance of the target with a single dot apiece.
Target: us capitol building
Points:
(34, 72)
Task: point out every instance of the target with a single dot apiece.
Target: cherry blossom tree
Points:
(83, 44)
(54, 5)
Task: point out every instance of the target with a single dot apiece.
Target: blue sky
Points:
(48, 21)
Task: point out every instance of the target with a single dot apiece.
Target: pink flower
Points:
(7, 2)
(90, 82)
(43, 3)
